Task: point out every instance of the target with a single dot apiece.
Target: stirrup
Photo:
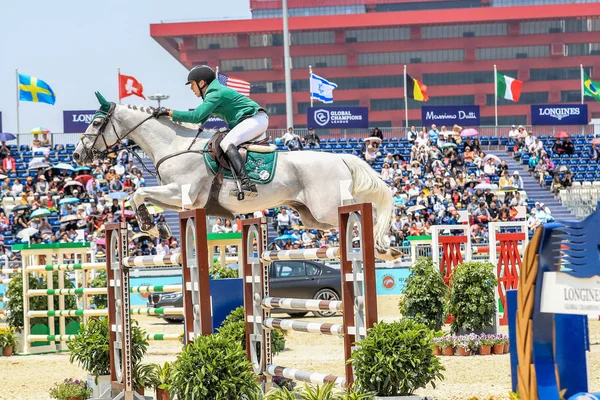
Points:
(242, 192)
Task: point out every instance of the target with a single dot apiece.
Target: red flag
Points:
(128, 86)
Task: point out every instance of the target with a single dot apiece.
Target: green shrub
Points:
(14, 303)
(234, 328)
(219, 272)
(70, 389)
(99, 300)
(319, 392)
(424, 295)
(471, 298)
(90, 347)
(213, 367)
(396, 359)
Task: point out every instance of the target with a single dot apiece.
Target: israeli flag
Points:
(321, 89)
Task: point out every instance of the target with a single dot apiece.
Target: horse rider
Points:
(246, 119)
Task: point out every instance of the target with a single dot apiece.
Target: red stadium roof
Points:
(369, 20)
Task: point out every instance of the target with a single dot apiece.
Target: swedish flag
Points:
(591, 88)
(36, 90)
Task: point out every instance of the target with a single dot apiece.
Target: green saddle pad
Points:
(259, 166)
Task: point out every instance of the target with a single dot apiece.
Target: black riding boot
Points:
(237, 163)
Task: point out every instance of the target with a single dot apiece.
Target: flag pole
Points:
(119, 82)
(287, 62)
(582, 83)
(310, 84)
(405, 100)
(18, 118)
(496, 93)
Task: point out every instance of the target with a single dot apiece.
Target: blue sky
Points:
(77, 46)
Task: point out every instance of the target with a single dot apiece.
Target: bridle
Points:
(118, 145)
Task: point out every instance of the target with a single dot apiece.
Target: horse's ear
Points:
(102, 100)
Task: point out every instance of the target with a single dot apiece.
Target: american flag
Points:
(236, 84)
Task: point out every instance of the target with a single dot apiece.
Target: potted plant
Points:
(462, 343)
(485, 344)
(395, 359)
(213, 367)
(234, 328)
(499, 342)
(160, 380)
(71, 389)
(424, 294)
(90, 349)
(447, 344)
(471, 297)
(326, 391)
(437, 346)
(8, 341)
(143, 376)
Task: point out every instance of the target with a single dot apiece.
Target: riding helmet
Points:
(201, 72)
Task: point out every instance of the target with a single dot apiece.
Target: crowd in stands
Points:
(441, 178)
(42, 190)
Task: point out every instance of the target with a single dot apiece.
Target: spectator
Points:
(412, 135)
(377, 133)
(558, 147)
(505, 181)
(4, 151)
(370, 155)
(490, 168)
(41, 186)
(312, 140)
(36, 144)
(385, 172)
(115, 208)
(433, 134)
(537, 147)
(569, 146)
(517, 180)
(9, 164)
(45, 142)
(227, 228)
(556, 185)
(29, 185)
(120, 168)
(294, 218)
(283, 221)
(594, 153)
(567, 181)
(17, 188)
(115, 185)
(288, 136)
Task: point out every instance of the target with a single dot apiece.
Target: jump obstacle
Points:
(358, 304)
(548, 313)
(506, 256)
(196, 293)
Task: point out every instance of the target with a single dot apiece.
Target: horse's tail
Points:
(367, 186)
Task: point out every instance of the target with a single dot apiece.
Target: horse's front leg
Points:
(168, 195)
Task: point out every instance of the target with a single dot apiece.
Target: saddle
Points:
(216, 152)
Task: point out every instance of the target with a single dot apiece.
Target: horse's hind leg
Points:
(307, 217)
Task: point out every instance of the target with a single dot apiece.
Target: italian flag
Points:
(508, 88)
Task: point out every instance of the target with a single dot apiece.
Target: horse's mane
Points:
(150, 109)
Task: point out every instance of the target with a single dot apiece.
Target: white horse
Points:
(310, 182)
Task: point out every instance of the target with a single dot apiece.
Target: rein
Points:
(129, 149)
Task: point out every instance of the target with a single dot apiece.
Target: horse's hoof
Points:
(164, 231)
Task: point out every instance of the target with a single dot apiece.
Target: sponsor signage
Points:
(77, 121)
(450, 115)
(559, 114)
(391, 281)
(565, 294)
(337, 117)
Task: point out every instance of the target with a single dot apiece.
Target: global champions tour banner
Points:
(337, 117)
(77, 121)
(559, 114)
(450, 115)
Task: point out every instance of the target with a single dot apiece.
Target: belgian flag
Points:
(415, 89)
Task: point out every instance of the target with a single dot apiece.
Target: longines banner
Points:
(337, 117)
(559, 114)
(77, 121)
(450, 115)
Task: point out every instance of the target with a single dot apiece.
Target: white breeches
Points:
(247, 130)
